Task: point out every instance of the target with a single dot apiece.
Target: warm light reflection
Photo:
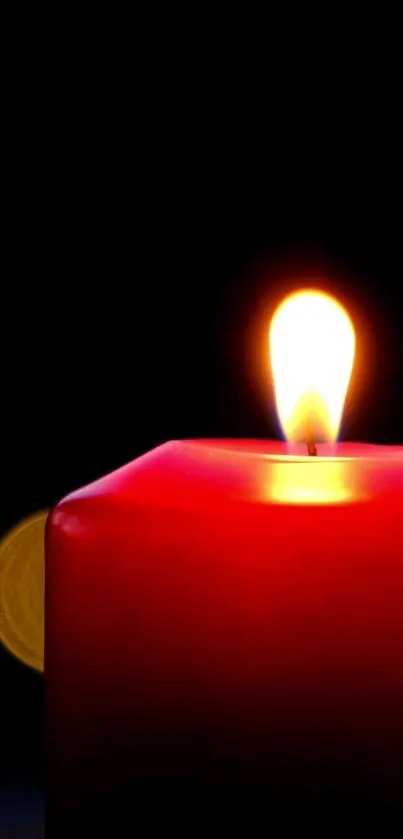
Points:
(312, 346)
(310, 482)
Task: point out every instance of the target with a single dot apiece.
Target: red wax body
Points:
(219, 615)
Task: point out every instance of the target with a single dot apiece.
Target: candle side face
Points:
(202, 634)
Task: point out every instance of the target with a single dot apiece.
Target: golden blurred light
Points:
(312, 344)
(22, 590)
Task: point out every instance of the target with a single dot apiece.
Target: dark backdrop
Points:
(135, 309)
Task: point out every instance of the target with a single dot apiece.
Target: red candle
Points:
(224, 626)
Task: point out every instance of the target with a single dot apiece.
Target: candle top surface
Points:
(279, 448)
(201, 474)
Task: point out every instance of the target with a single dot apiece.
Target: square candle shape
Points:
(224, 637)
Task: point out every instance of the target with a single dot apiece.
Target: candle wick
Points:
(310, 441)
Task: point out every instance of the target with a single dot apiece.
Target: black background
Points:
(145, 259)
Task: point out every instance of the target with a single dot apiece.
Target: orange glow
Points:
(312, 344)
(311, 481)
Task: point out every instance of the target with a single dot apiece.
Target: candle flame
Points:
(312, 345)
